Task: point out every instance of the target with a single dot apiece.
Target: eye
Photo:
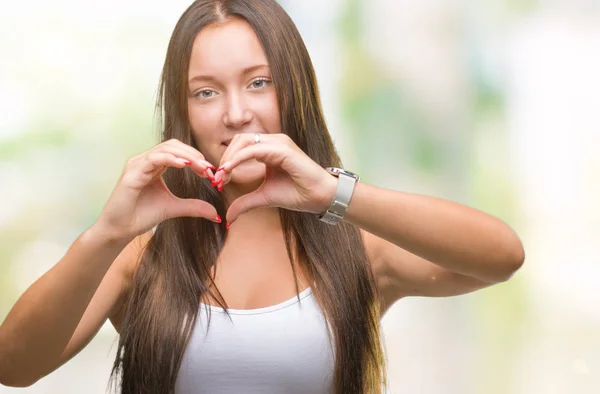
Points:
(259, 83)
(205, 94)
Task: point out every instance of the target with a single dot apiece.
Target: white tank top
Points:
(281, 349)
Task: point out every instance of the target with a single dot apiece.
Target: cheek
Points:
(269, 111)
(247, 172)
(204, 123)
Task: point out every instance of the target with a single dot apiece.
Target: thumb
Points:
(192, 207)
(244, 204)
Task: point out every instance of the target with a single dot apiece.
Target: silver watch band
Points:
(343, 194)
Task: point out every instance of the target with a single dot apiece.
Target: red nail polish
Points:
(187, 162)
(213, 183)
(226, 224)
(218, 219)
(220, 168)
(220, 187)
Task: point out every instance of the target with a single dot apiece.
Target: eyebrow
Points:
(245, 71)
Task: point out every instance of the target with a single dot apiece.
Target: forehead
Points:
(226, 47)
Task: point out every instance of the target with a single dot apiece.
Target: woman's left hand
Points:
(292, 180)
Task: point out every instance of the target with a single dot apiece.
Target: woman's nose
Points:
(237, 114)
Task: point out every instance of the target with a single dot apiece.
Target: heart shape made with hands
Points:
(292, 180)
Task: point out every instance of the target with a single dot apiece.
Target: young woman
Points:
(237, 214)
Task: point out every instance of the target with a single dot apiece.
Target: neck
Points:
(233, 190)
(256, 221)
(261, 227)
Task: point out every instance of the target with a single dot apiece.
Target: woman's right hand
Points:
(141, 199)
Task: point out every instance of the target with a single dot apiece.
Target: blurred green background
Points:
(493, 104)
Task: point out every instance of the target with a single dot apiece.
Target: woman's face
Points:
(230, 92)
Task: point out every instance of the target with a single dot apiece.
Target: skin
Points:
(231, 92)
(416, 245)
(414, 249)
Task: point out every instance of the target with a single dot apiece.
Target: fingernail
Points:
(219, 169)
(220, 187)
(218, 219)
(227, 224)
(214, 183)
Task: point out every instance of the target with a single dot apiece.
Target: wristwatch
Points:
(345, 187)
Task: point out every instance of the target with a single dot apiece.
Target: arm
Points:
(60, 313)
(428, 246)
(414, 236)
(45, 328)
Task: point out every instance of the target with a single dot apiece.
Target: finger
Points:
(177, 147)
(264, 154)
(270, 154)
(138, 173)
(191, 207)
(245, 203)
(210, 174)
(159, 161)
(239, 142)
(225, 178)
(199, 166)
(178, 144)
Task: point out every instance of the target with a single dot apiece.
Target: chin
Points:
(248, 173)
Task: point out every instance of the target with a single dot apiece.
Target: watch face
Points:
(337, 171)
(333, 171)
(350, 173)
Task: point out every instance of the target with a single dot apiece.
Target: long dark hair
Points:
(173, 274)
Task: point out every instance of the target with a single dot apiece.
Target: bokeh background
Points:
(491, 103)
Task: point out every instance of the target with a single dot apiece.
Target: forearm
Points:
(453, 236)
(39, 326)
